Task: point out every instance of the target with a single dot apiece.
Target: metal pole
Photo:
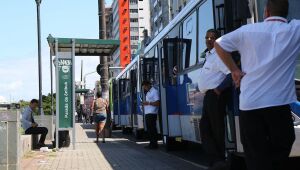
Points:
(73, 90)
(84, 78)
(81, 74)
(38, 2)
(51, 80)
(57, 93)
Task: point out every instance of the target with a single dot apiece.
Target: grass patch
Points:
(29, 154)
(52, 154)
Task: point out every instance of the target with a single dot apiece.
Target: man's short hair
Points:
(146, 83)
(278, 7)
(34, 101)
(216, 32)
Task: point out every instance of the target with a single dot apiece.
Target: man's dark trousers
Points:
(151, 129)
(36, 131)
(212, 124)
(267, 136)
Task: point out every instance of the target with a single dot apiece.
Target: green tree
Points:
(46, 104)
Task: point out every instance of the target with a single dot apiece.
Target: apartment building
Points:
(163, 11)
(139, 19)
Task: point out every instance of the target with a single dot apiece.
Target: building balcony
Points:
(155, 2)
(155, 18)
(160, 27)
(160, 12)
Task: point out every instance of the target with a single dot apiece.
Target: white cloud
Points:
(11, 86)
(89, 65)
(19, 77)
(2, 99)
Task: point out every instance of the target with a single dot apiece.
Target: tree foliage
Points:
(46, 103)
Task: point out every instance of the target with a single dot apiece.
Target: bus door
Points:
(150, 73)
(171, 66)
(133, 96)
(116, 101)
(123, 109)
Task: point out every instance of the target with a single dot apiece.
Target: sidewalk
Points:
(116, 153)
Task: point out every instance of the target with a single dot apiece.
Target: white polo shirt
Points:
(212, 73)
(268, 57)
(151, 96)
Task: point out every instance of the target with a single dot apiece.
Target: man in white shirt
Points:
(215, 85)
(268, 58)
(151, 107)
(30, 126)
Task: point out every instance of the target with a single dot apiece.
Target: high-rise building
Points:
(139, 19)
(109, 24)
(163, 11)
(116, 31)
(177, 6)
(160, 15)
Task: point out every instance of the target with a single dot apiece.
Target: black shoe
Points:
(40, 145)
(220, 165)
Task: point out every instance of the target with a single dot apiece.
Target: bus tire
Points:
(170, 143)
(138, 133)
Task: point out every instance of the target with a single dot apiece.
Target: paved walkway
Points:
(116, 153)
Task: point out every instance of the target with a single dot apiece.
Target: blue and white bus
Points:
(172, 61)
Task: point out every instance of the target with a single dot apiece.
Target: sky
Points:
(18, 44)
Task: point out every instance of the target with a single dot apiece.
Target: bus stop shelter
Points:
(65, 50)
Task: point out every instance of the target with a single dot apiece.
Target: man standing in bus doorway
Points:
(30, 126)
(268, 58)
(151, 107)
(215, 81)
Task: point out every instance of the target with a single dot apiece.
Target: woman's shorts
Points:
(100, 118)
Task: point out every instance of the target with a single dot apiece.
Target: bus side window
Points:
(190, 33)
(205, 22)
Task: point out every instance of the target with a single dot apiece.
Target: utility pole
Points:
(38, 3)
(81, 82)
(103, 59)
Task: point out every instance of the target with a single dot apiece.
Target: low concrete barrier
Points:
(25, 143)
(9, 140)
(46, 121)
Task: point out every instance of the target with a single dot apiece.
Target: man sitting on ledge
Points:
(30, 126)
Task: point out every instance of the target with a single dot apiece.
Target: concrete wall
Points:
(9, 140)
(25, 144)
(48, 122)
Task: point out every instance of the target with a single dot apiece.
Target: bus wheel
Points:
(126, 130)
(170, 143)
(138, 133)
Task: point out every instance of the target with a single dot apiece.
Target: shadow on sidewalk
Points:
(124, 152)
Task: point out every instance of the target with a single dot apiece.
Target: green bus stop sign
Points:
(65, 84)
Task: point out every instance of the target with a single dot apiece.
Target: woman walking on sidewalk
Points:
(99, 108)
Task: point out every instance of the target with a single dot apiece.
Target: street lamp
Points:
(84, 79)
(38, 3)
